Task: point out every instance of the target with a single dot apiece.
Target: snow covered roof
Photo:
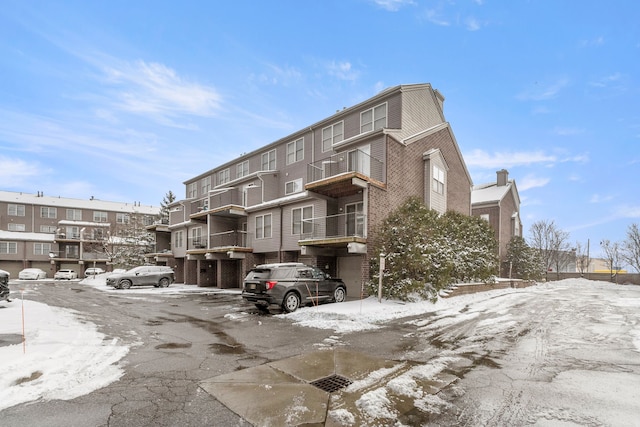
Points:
(42, 200)
(491, 192)
(24, 236)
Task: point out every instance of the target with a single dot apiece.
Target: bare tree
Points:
(552, 245)
(613, 257)
(129, 241)
(631, 247)
(582, 258)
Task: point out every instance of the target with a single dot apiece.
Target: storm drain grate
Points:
(332, 383)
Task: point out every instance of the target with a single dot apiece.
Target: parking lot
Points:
(551, 353)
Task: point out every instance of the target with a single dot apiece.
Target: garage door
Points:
(349, 272)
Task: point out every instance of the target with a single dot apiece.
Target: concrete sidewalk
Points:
(322, 388)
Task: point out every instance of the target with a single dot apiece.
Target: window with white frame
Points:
(99, 216)
(301, 220)
(179, 235)
(223, 177)
(438, 180)
(122, 218)
(242, 169)
(269, 161)
(332, 135)
(8, 247)
(73, 232)
(12, 226)
(295, 151)
(48, 228)
(263, 226)
(205, 185)
(294, 186)
(485, 217)
(41, 248)
(196, 237)
(48, 212)
(74, 214)
(373, 119)
(15, 210)
(192, 190)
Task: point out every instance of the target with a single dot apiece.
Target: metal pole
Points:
(381, 272)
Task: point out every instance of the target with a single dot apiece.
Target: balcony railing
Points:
(231, 238)
(352, 161)
(334, 227)
(227, 198)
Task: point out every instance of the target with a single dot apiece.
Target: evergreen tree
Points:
(164, 207)
(426, 252)
(525, 261)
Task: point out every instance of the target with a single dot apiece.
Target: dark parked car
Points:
(156, 275)
(290, 285)
(4, 286)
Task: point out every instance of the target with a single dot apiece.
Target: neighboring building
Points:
(53, 233)
(316, 196)
(498, 202)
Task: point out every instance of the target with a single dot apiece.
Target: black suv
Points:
(289, 285)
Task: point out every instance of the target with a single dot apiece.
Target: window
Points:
(332, 135)
(73, 233)
(15, 210)
(301, 220)
(122, 218)
(438, 180)
(48, 228)
(148, 220)
(16, 227)
(295, 151)
(196, 238)
(41, 248)
(72, 252)
(223, 177)
(192, 190)
(485, 217)
(74, 214)
(293, 186)
(205, 185)
(8, 247)
(269, 161)
(99, 216)
(263, 226)
(178, 240)
(242, 169)
(47, 212)
(373, 119)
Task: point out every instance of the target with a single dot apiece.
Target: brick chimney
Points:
(503, 177)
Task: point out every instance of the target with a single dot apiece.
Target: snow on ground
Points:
(64, 356)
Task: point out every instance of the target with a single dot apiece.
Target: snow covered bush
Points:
(426, 252)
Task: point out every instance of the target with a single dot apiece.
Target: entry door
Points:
(355, 219)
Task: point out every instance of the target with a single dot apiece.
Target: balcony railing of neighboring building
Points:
(355, 161)
(345, 227)
(229, 239)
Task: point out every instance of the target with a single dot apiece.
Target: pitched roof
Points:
(491, 192)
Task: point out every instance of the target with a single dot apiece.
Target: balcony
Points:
(229, 240)
(344, 174)
(228, 203)
(334, 230)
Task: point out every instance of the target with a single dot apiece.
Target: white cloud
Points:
(598, 198)
(342, 70)
(14, 172)
(607, 80)
(472, 24)
(530, 181)
(435, 17)
(393, 5)
(483, 159)
(541, 92)
(157, 90)
(567, 131)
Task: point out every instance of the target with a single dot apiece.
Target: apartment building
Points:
(316, 196)
(498, 202)
(54, 233)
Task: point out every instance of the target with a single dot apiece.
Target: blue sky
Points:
(125, 100)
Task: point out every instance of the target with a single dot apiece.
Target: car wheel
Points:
(164, 282)
(125, 284)
(291, 302)
(340, 294)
